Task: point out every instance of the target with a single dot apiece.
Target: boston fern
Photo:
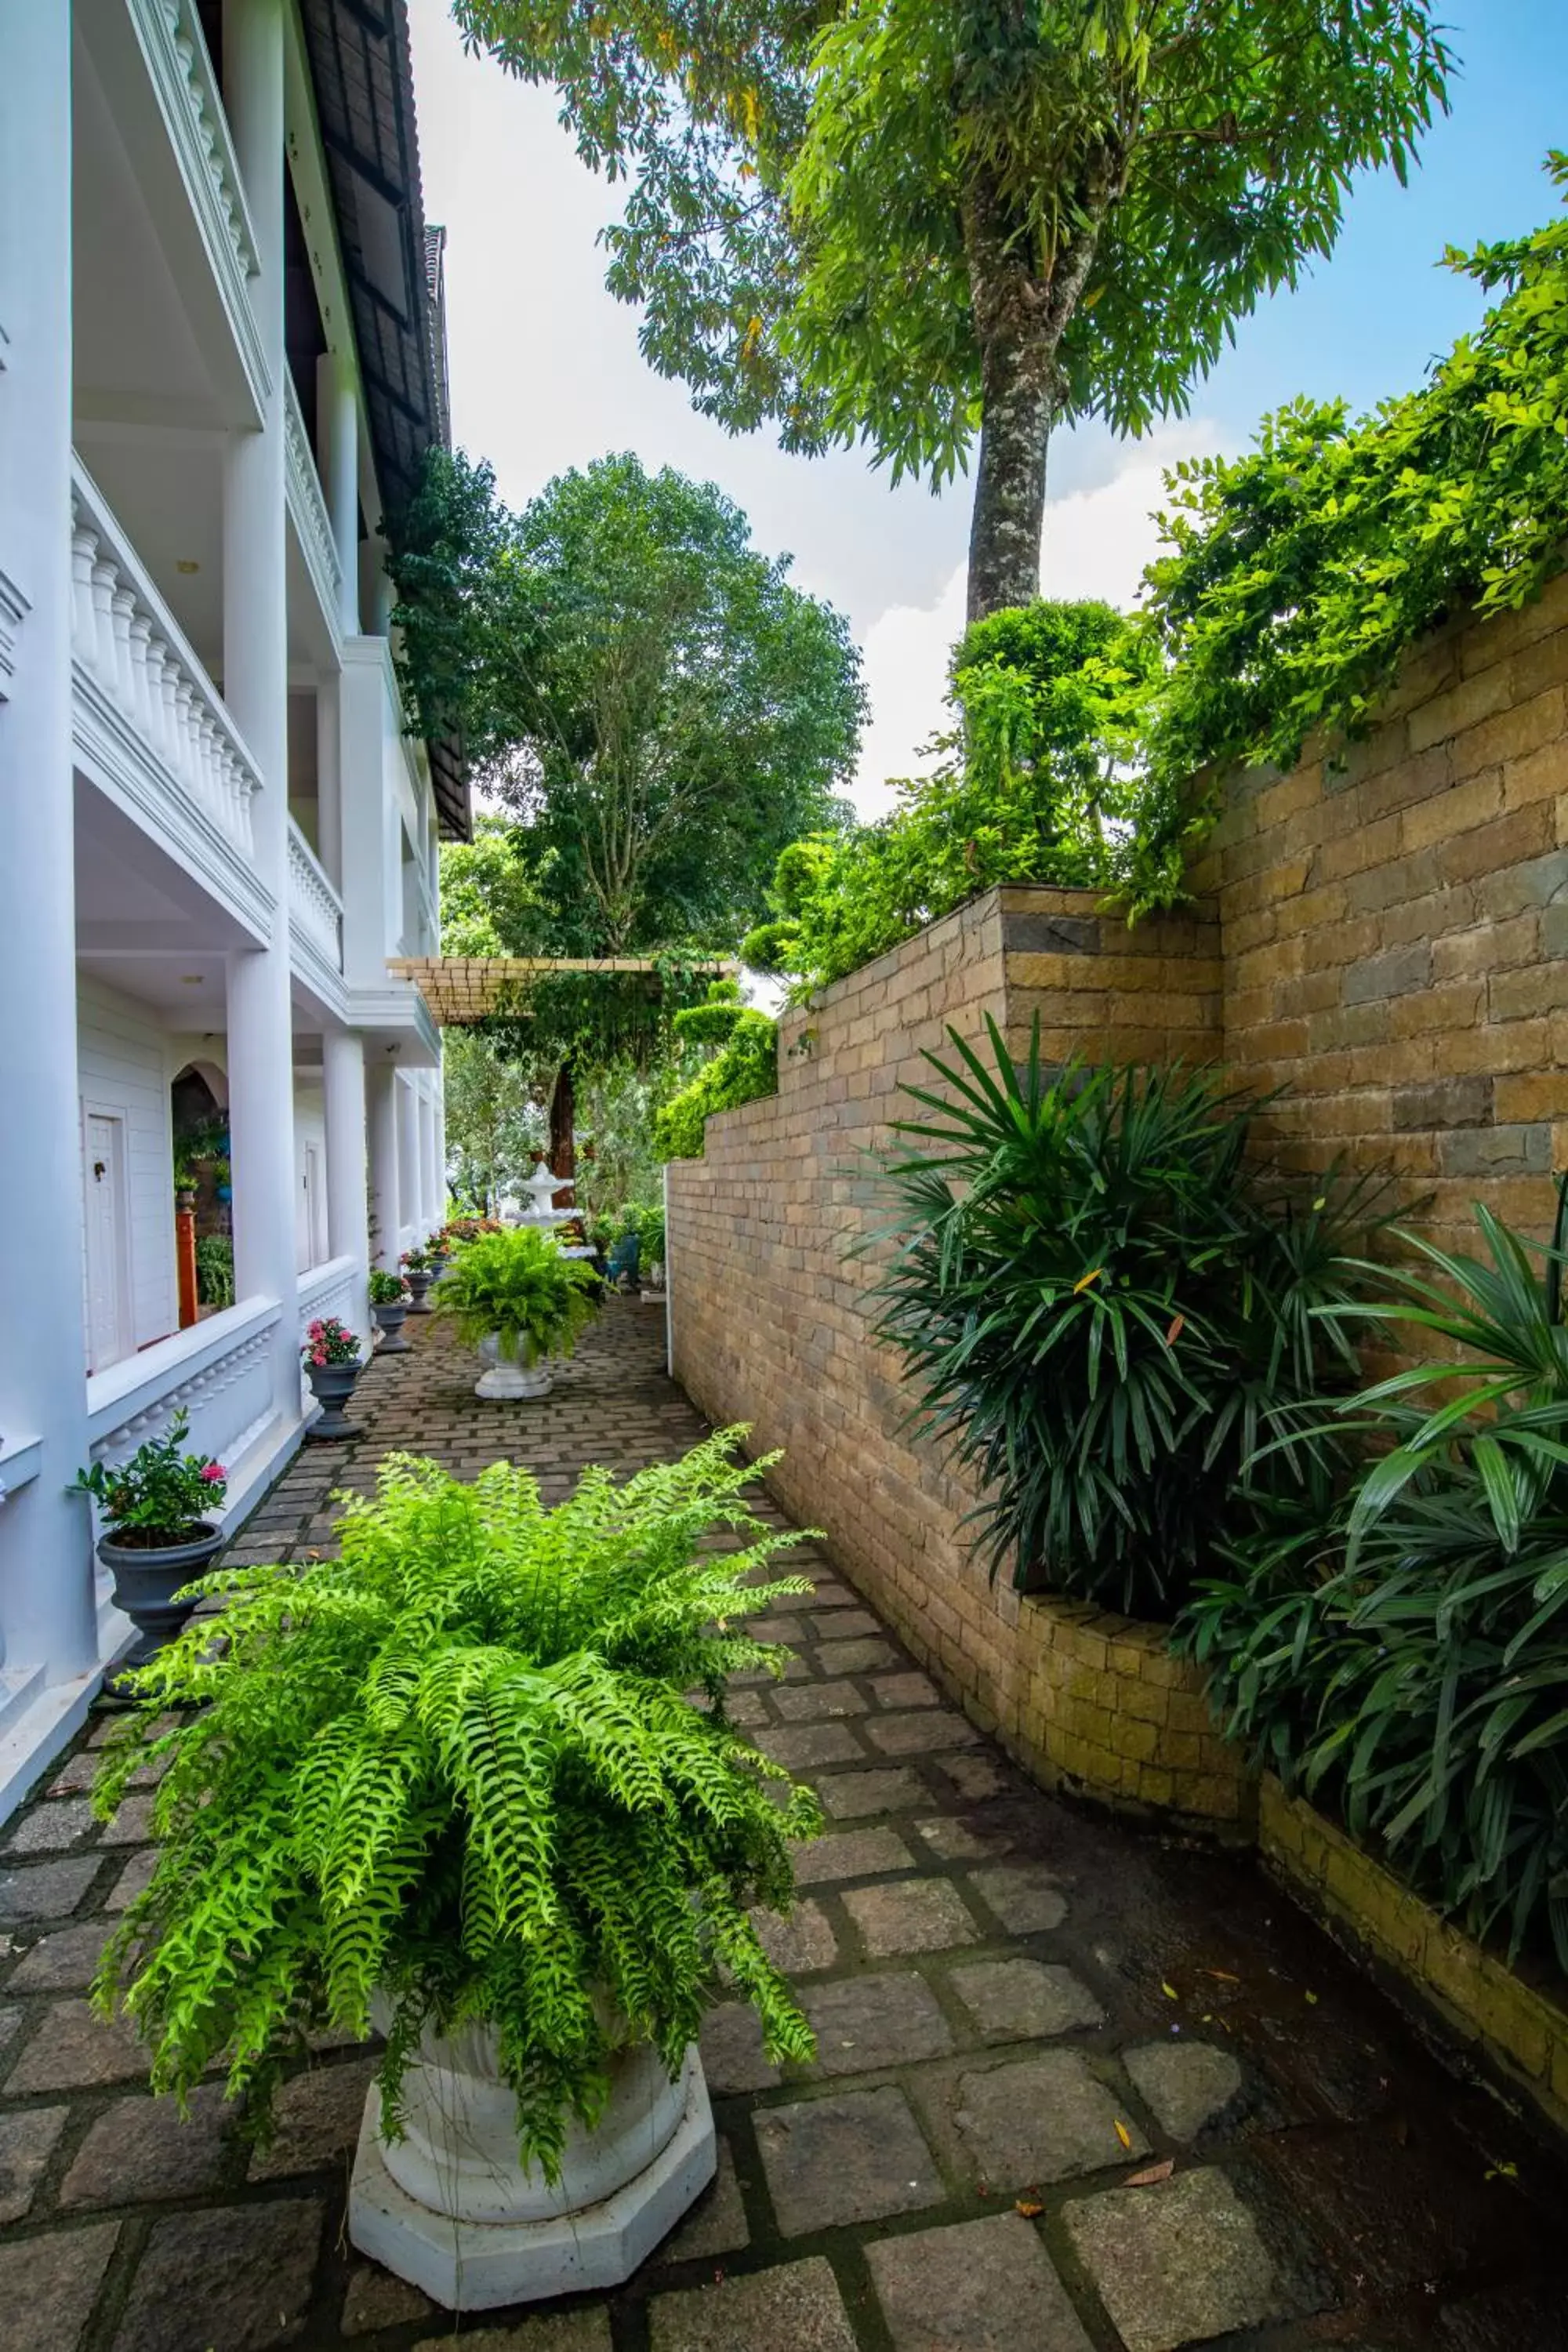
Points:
(1105, 1311)
(518, 1287)
(1406, 1658)
(456, 1769)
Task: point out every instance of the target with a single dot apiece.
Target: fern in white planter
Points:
(456, 1772)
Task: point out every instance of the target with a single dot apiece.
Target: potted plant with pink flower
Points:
(418, 1273)
(158, 1538)
(334, 1363)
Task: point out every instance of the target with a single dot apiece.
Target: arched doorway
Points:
(198, 1109)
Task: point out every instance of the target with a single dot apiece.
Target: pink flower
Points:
(214, 1473)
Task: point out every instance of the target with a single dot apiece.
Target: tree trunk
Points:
(563, 1116)
(1019, 400)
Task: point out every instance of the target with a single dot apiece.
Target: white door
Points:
(310, 1225)
(103, 1178)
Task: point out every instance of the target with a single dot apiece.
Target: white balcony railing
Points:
(125, 641)
(329, 1289)
(315, 910)
(218, 1372)
(169, 34)
(307, 507)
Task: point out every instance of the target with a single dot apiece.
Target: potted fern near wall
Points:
(451, 1784)
(520, 1300)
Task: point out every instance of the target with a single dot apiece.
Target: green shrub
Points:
(386, 1289)
(518, 1287)
(1103, 1310)
(1041, 783)
(1404, 1656)
(457, 1768)
(215, 1270)
(744, 1067)
(1303, 572)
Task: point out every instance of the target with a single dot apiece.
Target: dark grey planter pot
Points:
(418, 1283)
(332, 1385)
(146, 1578)
(389, 1323)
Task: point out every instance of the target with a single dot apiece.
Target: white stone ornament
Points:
(450, 2207)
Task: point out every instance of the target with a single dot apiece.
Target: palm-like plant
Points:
(1408, 1654)
(1106, 1312)
(459, 1768)
(518, 1287)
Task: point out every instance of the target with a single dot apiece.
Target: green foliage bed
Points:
(457, 1768)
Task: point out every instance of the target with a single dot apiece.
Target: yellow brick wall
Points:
(1515, 2025)
(1394, 918)
(768, 1326)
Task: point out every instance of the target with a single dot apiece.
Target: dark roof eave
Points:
(362, 80)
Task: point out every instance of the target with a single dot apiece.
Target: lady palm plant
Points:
(1104, 1310)
(518, 1287)
(460, 1769)
(1408, 1655)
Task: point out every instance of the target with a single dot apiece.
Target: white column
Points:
(329, 778)
(441, 1137)
(386, 1192)
(256, 687)
(410, 1184)
(430, 1189)
(337, 414)
(46, 1609)
(343, 1076)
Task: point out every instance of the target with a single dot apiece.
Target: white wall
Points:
(123, 1070)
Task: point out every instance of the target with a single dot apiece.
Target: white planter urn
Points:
(509, 1376)
(450, 2207)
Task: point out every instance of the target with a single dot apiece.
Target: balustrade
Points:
(124, 638)
(315, 910)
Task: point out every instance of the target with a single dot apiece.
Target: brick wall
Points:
(1382, 931)
(768, 1327)
(1394, 921)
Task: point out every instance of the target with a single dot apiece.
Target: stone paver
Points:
(1177, 2262)
(143, 2140)
(234, 2276)
(986, 1970)
(48, 2287)
(864, 2023)
(909, 1914)
(857, 2156)
(975, 2286)
(1011, 2001)
(795, 2308)
(1041, 2119)
(1184, 2085)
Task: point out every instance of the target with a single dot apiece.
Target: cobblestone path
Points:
(1076, 2087)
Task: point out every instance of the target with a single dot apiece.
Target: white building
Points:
(221, 358)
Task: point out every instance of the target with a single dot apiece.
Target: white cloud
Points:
(1097, 543)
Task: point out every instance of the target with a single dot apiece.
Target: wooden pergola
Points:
(461, 990)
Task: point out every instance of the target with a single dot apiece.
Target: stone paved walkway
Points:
(1023, 2012)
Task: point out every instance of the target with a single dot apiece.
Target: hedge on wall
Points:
(744, 1067)
(1303, 572)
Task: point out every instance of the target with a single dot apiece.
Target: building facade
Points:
(221, 362)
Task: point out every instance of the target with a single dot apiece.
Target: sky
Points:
(546, 373)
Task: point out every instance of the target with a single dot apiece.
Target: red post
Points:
(186, 1264)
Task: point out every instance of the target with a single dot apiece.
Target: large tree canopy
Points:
(654, 704)
(911, 221)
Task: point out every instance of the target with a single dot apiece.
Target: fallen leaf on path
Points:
(1123, 2134)
(1155, 2173)
(1029, 2207)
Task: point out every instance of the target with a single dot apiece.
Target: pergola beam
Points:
(460, 990)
